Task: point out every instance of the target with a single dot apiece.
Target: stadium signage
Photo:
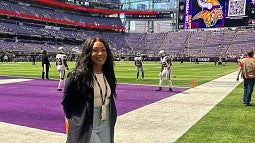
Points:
(204, 59)
(187, 16)
(160, 15)
(218, 13)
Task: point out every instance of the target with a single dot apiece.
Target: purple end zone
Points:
(131, 97)
(37, 103)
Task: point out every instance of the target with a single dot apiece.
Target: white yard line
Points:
(5, 81)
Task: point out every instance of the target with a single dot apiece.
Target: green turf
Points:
(126, 72)
(229, 122)
(182, 74)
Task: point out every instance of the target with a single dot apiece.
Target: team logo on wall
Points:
(211, 12)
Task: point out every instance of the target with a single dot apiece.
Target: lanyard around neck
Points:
(101, 92)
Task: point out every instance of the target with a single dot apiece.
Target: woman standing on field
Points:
(89, 92)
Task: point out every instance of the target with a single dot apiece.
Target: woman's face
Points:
(99, 54)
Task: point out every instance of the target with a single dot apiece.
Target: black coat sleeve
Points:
(68, 100)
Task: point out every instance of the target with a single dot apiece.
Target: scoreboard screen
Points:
(217, 13)
(160, 15)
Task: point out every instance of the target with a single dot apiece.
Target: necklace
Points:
(103, 98)
(101, 91)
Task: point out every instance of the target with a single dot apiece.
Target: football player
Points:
(61, 64)
(139, 65)
(165, 71)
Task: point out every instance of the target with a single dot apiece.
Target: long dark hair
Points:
(250, 53)
(83, 71)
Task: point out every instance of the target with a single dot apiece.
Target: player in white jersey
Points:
(139, 65)
(166, 70)
(61, 67)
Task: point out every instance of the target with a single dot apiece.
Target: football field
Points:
(182, 74)
(228, 121)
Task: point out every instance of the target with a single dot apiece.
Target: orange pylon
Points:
(192, 83)
(66, 125)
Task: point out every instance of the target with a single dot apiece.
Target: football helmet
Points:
(162, 53)
(61, 49)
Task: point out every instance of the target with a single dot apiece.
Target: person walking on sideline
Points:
(61, 67)
(139, 65)
(247, 69)
(45, 64)
(33, 59)
(165, 71)
(89, 95)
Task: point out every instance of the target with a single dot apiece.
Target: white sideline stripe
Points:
(5, 81)
(167, 120)
(10, 133)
